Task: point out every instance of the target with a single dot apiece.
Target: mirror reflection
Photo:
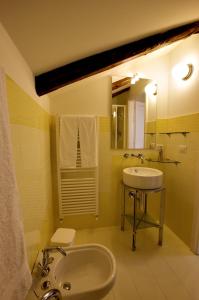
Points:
(133, 119)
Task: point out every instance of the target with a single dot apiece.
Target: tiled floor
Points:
(151, 272)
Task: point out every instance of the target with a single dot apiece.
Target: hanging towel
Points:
(68, 141)
(15, 277)
(88, 141)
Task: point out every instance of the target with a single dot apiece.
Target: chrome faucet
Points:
(53, 294)
(126, 155)
(46, 260)
(139, 156)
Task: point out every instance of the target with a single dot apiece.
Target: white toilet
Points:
(63, 237)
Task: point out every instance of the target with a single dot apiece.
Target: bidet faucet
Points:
(46, 260)
(52, 294)
(139, 156)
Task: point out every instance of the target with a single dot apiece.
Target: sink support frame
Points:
(138, 220)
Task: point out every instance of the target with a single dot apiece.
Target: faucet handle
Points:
(43, 270)
(46, 260)
(126, 155)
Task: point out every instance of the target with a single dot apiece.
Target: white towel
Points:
(15, 277)
(68, 141)
(88, 141)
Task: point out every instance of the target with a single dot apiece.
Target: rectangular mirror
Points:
(133, 120)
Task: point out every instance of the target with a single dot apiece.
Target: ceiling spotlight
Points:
(182, 71)
(135, 78)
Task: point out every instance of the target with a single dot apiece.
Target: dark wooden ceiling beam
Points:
(121, 83)
(59, 77)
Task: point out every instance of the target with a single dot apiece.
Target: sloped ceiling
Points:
(52, 33)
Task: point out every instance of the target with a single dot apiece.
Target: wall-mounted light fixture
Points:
(182, 71)
(151, 89)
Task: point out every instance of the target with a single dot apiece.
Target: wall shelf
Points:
(169, 133)
(175, 132)
(164, 161)
(151, 133)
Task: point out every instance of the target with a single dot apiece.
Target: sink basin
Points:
(87, 272)
(143, 178)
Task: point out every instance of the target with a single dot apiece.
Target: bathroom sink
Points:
(86, 272)
(143, 178)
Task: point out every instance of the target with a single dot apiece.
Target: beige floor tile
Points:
(124, 287)
(151, 272)
(109, 296)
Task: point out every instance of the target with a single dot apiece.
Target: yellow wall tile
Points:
(150, 127)
(105, 124)
(181, 123)
(162, 125)
(23, 109)
(180, 180)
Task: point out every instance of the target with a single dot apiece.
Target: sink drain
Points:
(67, 286)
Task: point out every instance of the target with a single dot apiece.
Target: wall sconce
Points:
(151, 89)
(182, 71)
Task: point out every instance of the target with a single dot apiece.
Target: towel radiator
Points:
(78, 192)
(78, 187)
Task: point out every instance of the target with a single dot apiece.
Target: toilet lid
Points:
(63, 236)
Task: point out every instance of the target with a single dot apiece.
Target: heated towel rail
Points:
(77, 187)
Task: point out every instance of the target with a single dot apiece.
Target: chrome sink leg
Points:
(134, 196)
(123, 209)
(145, 203)
(162, 213)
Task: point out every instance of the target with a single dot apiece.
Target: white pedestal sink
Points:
(143, 178)
(86, 273)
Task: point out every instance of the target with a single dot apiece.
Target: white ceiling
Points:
(51, 33)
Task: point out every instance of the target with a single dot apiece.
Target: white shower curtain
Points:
(15, 277)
